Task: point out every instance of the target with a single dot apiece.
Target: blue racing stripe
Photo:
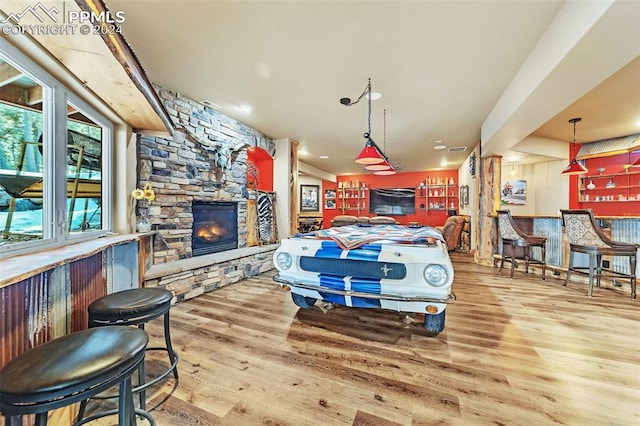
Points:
(333, 298)
(366, 286)
(331, 281)
(363, 254)
(361, 302)
(329, 249)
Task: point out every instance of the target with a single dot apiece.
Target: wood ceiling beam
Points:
(8, 74)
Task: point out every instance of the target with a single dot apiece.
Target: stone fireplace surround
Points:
(204, 160)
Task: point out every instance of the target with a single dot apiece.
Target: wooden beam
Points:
(8, 74)
(129, 62)
(35, 95)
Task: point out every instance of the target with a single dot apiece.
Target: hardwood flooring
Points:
(514, 352)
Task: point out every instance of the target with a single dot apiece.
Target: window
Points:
(54, 160)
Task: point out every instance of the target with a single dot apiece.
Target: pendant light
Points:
(370, 154)
(574, 168)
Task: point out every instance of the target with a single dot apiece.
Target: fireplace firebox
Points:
(215, 227)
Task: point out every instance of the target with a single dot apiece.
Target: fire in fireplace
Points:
(215, 227)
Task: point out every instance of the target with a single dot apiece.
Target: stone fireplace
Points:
(200, 168)
(215, 227)
(199, 216)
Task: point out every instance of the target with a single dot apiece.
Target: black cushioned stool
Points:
(70, 369)
(136, 307)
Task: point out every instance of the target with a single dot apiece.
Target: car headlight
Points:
(435, 275)
(284, 260)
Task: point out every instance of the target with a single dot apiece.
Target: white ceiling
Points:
(441, 67)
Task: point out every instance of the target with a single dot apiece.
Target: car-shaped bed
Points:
(394, 267)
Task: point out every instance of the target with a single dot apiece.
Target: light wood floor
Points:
(514, 352)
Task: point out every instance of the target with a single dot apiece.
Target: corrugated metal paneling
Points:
(552, 229)
(626, 231)
(88, 282)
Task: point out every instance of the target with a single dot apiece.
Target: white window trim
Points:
(55, 128)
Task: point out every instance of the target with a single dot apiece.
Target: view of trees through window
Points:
(23, 178)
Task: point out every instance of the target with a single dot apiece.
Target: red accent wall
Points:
(621, 200)
(264, 163)
(399, 180)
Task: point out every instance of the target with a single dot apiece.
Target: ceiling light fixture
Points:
(574, 168)
(371, 153)
(513, 172)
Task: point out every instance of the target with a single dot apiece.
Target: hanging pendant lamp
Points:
(371, 153)
(574, 168)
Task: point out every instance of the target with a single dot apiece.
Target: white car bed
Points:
(393, 267)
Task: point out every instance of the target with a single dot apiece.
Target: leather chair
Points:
(382, 220)
(513, 238)
(343, 220)
(452, 230)
(585, 236)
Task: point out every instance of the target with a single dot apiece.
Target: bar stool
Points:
(136, 307)
(73, 368)
(512, 236)
(586, 237)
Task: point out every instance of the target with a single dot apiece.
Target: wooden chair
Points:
(585, 236)
(512, 238)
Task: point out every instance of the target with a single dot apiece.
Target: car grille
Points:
(354, 268)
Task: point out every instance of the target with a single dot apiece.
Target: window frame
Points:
(56, 97)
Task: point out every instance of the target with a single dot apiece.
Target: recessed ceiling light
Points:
(246, 108)
(324, 157)
(439, 147)
(443, 163)
(375, 96)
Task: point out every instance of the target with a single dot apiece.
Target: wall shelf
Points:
(627, 183)
(438, 196)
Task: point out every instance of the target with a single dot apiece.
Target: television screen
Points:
(392, 201)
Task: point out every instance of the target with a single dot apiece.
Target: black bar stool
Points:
(73, 368)
(136, 307)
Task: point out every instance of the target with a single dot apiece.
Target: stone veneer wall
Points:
(201, 274)
(205, 160)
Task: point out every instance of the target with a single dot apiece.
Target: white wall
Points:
(551, 187)
(547, 187)
(282, 173)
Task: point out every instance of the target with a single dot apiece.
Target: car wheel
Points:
(302, 301)
(434, 324)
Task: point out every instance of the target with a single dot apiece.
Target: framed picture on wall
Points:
(513, 192)
(330, 203)
(309, 198)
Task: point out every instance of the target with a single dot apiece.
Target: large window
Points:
(53, 161)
